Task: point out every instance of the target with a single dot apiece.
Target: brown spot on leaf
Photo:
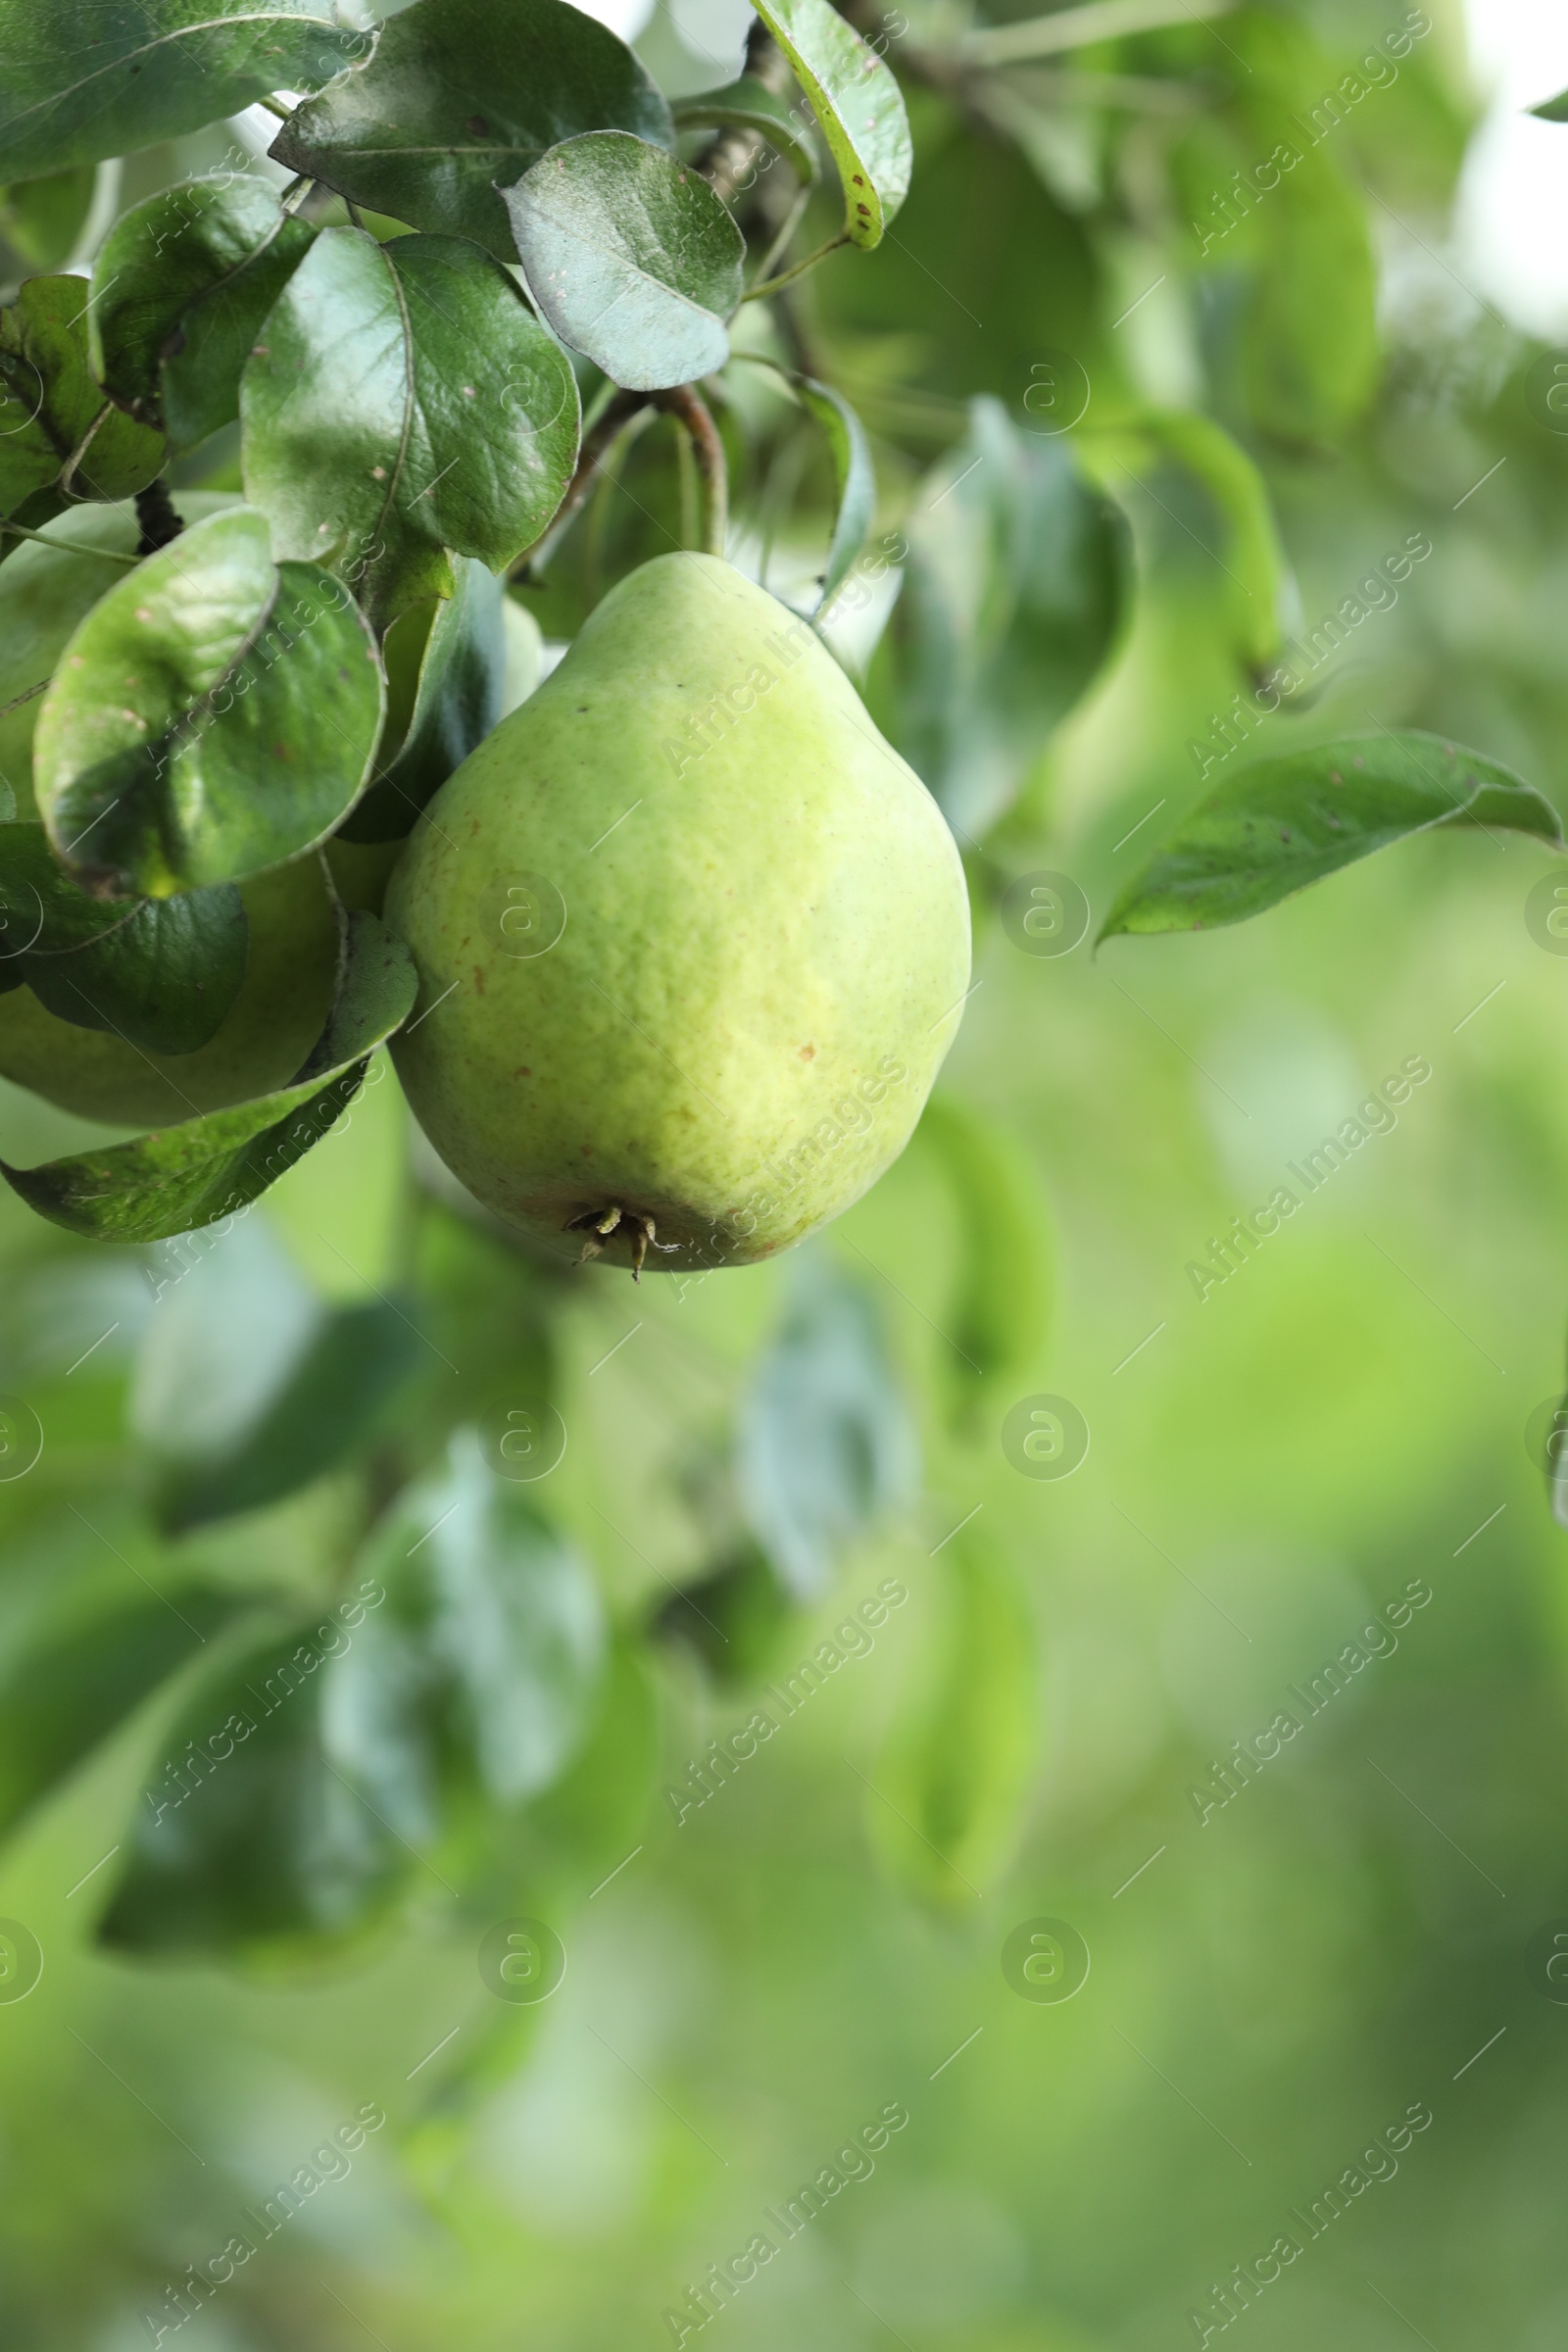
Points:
(807, 1053)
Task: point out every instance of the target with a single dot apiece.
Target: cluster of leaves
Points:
(413, 396)
(453, 366)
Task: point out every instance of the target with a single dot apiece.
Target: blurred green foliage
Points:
(228, 1422)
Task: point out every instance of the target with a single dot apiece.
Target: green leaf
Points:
(1018, 578)
(1310, 351)
(183, 283)
(462, 97)
(859, 104)
(448, 673)
(824, 1444)
(736, 1617)
(40, 220)
(997, 1318)
(856, 474)
(586, 1819)
(57, 430)
(404, 401)
(72, 1678)
(84, 80)
(228, 1333)
(567, 1839)
(1277, 824)
(212, 716)
(955, 1776)
(630, 256)
(479, 1677)
(334, 1400)
(750, 105)
(1553, 109)
(1252, 558)
(162, 974)
(181, 1177)
(246, 1840)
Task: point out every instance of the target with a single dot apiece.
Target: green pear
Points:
(45, 593)
(290, 970)
(692, 939)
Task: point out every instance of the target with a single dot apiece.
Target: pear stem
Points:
(785, 277)
(596, 444)
(685, 401)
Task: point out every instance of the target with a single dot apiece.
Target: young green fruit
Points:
(692, 939)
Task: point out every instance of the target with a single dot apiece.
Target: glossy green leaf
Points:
(859, 104)
(995, 1322)
(40, 220)
(404, 401)
(214, 715)
(181, 1177)
(855, 475)
(461, 98)
(183, 283)
(823, 1442)
(1018, 581)
(630, 256)
(332, 1402)
(1277, 824)
(479, 1675)
(57, 430)
(954, 1780)
(162, 974)
(245, 1838)
(74, 1677)
(750, 105)
(84, 79)
(448, 671)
